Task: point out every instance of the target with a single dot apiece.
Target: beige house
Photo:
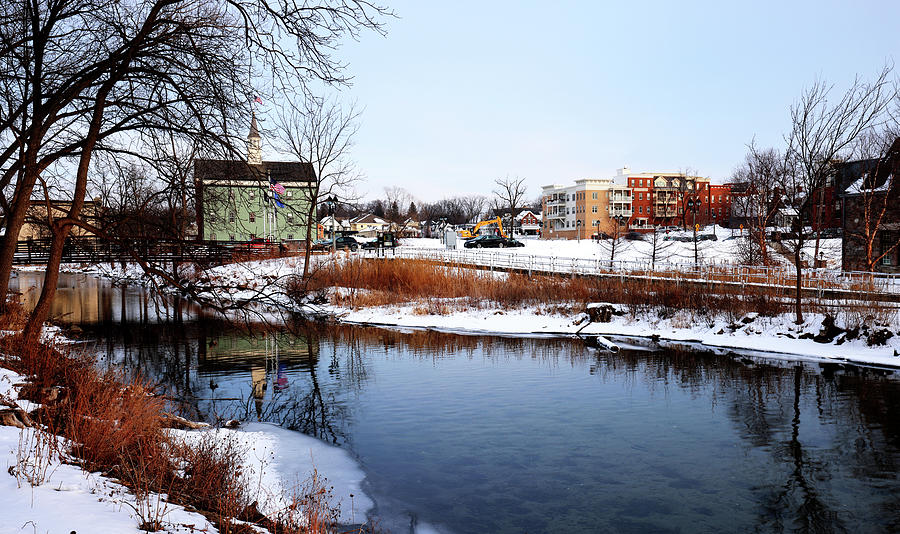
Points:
(36, 226)
(368, 225)
(591, 207)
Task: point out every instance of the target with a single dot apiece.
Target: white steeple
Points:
(254, 144)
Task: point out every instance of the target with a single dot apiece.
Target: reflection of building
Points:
(265, 358)
(236, 199)
(245, 352)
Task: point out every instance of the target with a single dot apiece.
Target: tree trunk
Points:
(798, 295)
(14, 224)
(309, 225)
(41, 311)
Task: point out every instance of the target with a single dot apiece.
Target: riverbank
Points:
(447, 299)
(88, 451)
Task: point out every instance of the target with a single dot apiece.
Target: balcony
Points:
(620, 213)
(664, 213)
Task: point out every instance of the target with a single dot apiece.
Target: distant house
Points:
(36, 227)
(236, 200)
(527, 223)
(368, 225)
(871, 212)
(333, 225)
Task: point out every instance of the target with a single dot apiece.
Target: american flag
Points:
(257, 99)
(278, 188)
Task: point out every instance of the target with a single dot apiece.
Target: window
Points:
(252, 194)
(290, 237)
(640, 196)
(290, 218)
(594, 196)
(641, 209)
(252, 217)
(231, 216)
(212, 237)
(231, 237)
(593, 209)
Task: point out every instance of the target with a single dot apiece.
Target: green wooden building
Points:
(236, 202)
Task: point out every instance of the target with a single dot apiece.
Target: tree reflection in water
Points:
(810, 424)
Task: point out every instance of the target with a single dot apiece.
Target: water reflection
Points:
(88, 300)
(490, 434)
(514, 435)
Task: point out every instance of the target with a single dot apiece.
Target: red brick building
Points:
(719, 203)
(671, 199)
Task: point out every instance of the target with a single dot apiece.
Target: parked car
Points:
(492, 241)
(634, 236)
(343, 242)
(257, 244)
(347, 242)
(321, 244)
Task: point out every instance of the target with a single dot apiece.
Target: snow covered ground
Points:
(42, 493)
(722, 251)
(776, 336)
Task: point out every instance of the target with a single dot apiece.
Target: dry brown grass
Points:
(441, 289)
(116, 427)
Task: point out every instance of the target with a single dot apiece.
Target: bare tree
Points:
(472, 207)
(755, 198)
(510, 194)
(660, 248)
(823, 133)
(395, 198)
(92, 76)
(320, 133)
(872, 222)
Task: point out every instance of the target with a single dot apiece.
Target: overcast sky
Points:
(460, 93)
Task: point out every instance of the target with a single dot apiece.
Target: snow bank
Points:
(775, 335)
(70, 499)
(278, 461)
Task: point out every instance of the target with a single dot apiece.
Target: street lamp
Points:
(331, 201)
(578, 230)
(693, 206)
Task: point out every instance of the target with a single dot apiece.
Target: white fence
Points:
(813, 279)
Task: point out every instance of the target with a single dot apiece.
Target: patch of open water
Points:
(487, 434)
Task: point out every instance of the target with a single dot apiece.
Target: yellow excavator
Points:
(466, 234)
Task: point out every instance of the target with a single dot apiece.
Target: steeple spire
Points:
(254, 143)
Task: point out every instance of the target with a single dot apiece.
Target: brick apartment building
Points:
(632, 201)
(675, 199)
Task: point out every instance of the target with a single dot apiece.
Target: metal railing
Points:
(785, 277)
